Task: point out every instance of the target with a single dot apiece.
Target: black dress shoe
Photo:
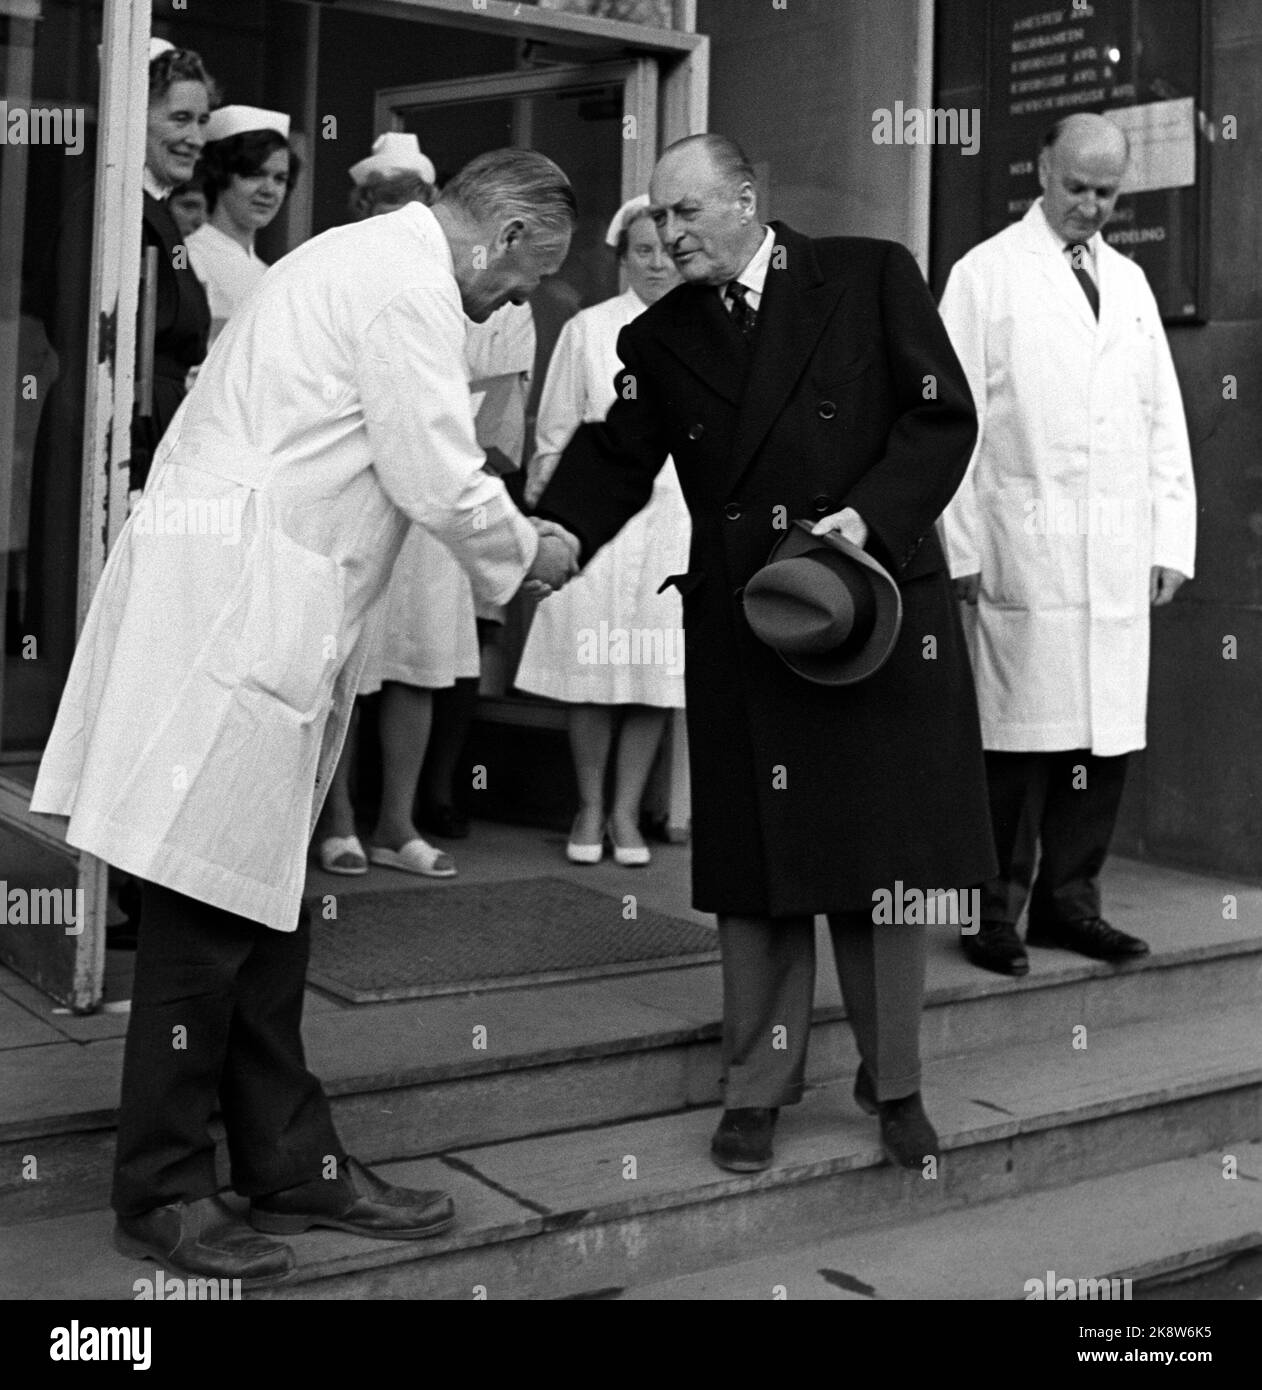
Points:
(1089, 936)
(906, 1134)
(204, 1238)
(447, 822)
(359, 1202)
(742, 1142)
(996, 946)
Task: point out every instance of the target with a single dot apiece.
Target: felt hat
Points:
(228, 121)
(394, 152)
(829, 609)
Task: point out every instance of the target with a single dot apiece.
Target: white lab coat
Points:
(427, 625)
(1080, 482)
(208, 697)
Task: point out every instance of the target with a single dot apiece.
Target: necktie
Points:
(744, 315)
(1078, 256)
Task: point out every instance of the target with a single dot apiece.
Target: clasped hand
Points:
(555, 562)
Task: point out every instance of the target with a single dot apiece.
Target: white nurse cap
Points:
(394, 152)
(237, 120)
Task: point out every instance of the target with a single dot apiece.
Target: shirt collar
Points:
(153, 188)
(1059, 242)
(754, 276)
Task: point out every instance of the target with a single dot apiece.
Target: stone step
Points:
(1147, 1226)
(593, 1211)
(561, 1057)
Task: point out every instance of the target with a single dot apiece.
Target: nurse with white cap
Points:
(396, 173)
(248, 170)
(618, 700)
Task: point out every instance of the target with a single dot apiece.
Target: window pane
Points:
(49, 78)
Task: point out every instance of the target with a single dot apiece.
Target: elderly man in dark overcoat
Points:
(792, 378)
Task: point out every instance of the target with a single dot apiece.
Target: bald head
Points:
(705, 208)
(1081, 167)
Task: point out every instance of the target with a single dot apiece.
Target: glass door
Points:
(598, 122)
(72, 78)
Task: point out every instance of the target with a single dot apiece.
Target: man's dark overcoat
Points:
(806, 798)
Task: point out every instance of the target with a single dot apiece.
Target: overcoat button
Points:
(822, 503)
(827, 409)
(695, 431)
(732, 511)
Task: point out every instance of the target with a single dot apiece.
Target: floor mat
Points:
(407, 944)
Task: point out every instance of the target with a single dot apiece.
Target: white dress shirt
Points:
(754, 276)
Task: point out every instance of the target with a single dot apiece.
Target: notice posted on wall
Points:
(1162, 137)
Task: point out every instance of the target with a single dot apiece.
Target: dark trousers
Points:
(769, 993)
(1058, 808)
(216, 1016)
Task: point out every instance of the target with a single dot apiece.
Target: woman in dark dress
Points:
(179, 108)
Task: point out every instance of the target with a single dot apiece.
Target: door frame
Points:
(640, 99)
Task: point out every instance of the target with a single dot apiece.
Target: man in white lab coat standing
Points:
(1077, 514)
(209, 695)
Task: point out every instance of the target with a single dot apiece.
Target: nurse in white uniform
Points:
(610, 645)
(248, 170)
(427, 639)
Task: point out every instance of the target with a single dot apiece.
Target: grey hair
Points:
(522, 185)
(725, 154)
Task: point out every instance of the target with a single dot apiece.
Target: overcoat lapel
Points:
(700, 333)
(797, 303)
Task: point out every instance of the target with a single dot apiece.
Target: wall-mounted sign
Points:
(1140, 62)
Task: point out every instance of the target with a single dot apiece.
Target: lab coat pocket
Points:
(1030, 554)
(293, 620)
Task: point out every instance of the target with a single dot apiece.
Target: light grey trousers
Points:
(769, 991)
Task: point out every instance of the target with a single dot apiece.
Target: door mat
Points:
(414, 943)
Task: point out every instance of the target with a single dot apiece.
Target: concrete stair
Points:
(562, 1058)
(596, 1211)
(576, 1143)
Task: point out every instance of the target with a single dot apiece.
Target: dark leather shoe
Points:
(1089, 936)
(447, 822)
(742, 1142)
(996, 946)
(204, 1238)
(906, 1134)
(359, 1202)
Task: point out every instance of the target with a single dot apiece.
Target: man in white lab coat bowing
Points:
(1077, 514)
(210, 690)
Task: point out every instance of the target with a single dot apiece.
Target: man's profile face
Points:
(516, 262)
(1081, 178)
(705, 222)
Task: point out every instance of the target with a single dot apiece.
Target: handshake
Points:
(555, 562)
